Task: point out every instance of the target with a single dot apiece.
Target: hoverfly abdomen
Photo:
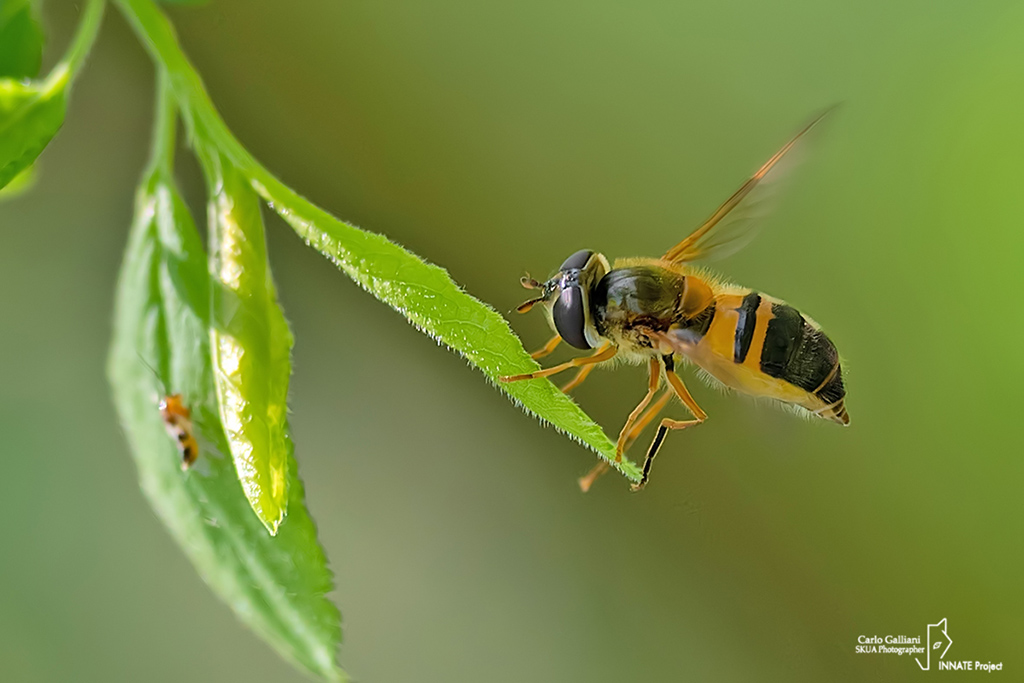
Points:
(797, 352)
(764, 347)
(745, 326)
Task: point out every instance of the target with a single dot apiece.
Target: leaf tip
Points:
(273, 527)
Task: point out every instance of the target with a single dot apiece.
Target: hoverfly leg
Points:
(680, 390)
(652, 411)
(587, 480)
(652, 388)
(578, 379)
(600, 468)
(580, 376)
(547, 348)
(666, 424)
(606, 352)
(645, 419)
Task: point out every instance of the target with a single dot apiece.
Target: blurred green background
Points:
(494, 139)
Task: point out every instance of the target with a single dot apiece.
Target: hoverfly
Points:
(656, 311)
(178, 423)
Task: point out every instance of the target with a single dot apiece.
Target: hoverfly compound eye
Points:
(577, 260)
(569, 316)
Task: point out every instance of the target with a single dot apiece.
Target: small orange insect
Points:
(178, 423)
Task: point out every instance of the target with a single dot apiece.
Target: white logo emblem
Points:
(937, 638)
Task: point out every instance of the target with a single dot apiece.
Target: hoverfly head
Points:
(568, 294)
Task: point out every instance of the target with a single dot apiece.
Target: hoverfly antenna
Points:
(527, 305)
(529, 283)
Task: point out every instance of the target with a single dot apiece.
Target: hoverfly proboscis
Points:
(655, 311)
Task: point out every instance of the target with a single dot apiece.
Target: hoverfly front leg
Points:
(606, 352)
(681, 391)
(580, 376)
(547, 349)
(578, 379)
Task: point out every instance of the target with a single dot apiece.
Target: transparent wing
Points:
(734, 223)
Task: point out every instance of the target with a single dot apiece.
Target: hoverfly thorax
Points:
(566, 296)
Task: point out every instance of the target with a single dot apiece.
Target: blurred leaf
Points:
(21, 39)
(251, 342)
(276, 585)
(20, 183)
(30, 115)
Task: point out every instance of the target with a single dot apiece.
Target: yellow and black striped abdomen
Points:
(765, 347)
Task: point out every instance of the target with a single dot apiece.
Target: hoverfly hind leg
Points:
(600, 468)
(659, 438)
(680, 390)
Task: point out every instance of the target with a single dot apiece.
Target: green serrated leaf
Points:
(21, 39)
(421, 291)
(250, 340)
(276, 585)
(426, 295)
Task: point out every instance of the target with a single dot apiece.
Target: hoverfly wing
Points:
(734, 224)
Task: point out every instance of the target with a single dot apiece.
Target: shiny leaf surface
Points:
(250, 340)
(276, 585)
